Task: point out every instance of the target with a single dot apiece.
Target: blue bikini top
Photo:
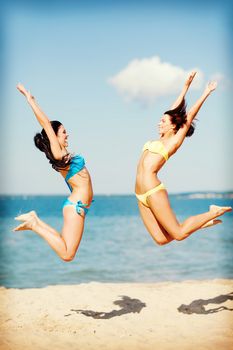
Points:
(77, 163)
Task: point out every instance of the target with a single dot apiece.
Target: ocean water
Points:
(116, 246)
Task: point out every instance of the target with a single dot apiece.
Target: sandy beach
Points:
(185, 315)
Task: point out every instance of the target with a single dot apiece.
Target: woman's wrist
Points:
(207, 92)
(30, 98)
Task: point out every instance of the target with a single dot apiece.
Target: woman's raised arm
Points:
(211, 86)
(184, 90)
(181, 133)
(44, 122)
(40, 115)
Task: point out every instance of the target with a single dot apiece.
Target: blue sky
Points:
(66, 54)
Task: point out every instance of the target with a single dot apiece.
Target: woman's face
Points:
(62, 136)
(165, 124)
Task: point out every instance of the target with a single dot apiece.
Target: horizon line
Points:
(121, 194)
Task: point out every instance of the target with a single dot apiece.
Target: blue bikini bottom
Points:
(79, 206)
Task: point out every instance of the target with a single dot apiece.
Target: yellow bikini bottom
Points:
(143, 197)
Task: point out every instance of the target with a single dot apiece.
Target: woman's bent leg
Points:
(160, 206)
(66, 244)
(156, 231)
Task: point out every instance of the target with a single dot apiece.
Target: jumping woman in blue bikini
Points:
(53, 142)
(152, 196)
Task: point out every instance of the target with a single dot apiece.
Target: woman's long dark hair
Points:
(178, 117)
(41, 141)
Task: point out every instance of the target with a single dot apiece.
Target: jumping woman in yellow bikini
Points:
(53, 142)
(152, 196)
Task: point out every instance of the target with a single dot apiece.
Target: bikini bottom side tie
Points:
(143, 197)
(79, 206)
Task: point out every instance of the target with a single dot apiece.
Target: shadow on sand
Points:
(127, 306)
(198, 306)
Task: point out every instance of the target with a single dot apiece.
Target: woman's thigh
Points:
(160, 206)
(72, 228)
(157, 232)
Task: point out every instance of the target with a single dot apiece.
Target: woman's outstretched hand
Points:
(190, 78)
(211, 86)
(25, 92)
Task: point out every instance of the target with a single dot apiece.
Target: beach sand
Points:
(119, 316)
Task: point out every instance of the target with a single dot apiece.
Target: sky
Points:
(108, 70)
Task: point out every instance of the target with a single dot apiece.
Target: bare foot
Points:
(29, 221)
(215, 209)
(211, 223)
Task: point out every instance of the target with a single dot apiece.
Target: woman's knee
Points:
(176, 233)
(160, 240)
(181, 234)
(68, 257)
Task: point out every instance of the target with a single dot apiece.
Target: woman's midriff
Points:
(81, 187)
(148, 167)
(146, 181)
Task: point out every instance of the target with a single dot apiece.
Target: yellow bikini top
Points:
(156, 147)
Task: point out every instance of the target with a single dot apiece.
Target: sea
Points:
(115, 246)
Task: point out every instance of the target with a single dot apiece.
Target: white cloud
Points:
(223, 82)
(147, 79)
(217, 76)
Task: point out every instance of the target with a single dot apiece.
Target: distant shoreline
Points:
(191, 195)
